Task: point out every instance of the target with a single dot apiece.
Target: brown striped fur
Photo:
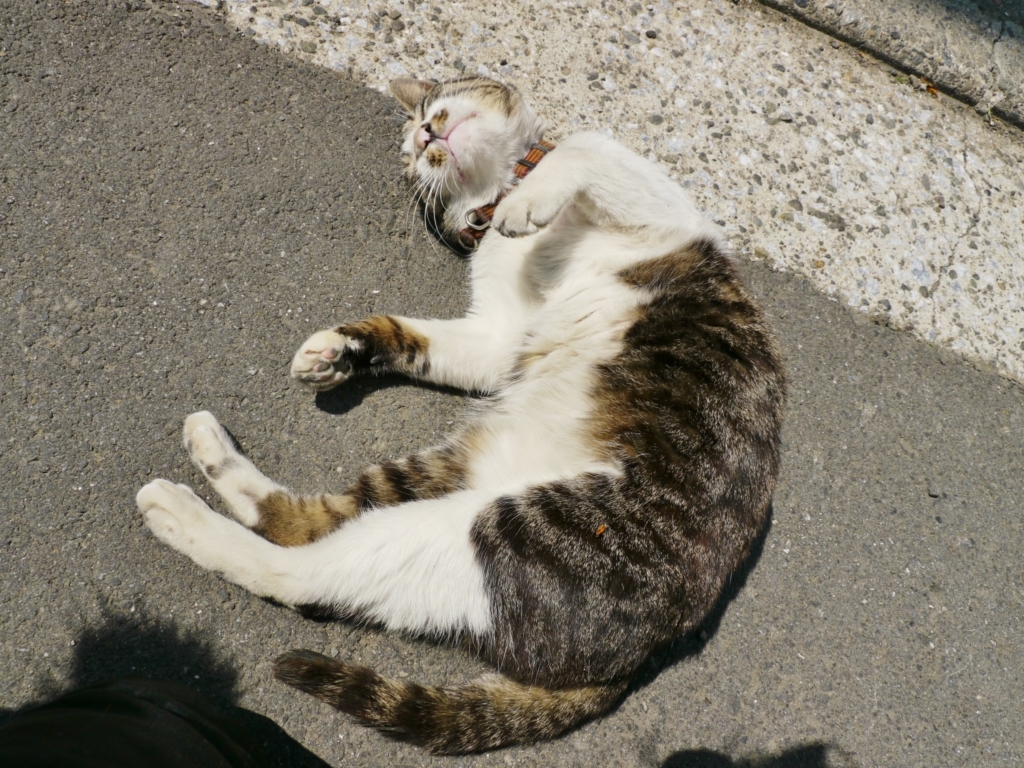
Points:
(290, 520)
(731, 324)
(691, 409)
(584, 577)
(482, 714)
(386, 345)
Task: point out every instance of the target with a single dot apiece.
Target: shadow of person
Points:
(142, 693)
(813, 755)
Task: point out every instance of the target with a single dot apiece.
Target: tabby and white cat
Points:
(620, 470)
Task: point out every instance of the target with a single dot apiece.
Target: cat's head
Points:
(462, 140)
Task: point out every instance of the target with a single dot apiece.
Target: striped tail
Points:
(482, 714)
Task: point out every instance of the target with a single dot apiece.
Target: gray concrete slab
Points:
(972, 49)
(181, 206)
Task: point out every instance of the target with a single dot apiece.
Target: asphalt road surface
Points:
(179, 208)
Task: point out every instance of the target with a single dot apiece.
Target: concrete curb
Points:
(971, 51)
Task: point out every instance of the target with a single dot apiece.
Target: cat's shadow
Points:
(693, 644)
(352, 393)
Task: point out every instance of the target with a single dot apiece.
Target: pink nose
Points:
(423, 136)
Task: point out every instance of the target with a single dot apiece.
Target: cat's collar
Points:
(478, 220)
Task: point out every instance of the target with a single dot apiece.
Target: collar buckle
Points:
(475, 220)
(478, 220)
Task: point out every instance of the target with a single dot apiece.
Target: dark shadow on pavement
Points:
(814, 755)
(350, 394)
(693, 643)
(134, 646)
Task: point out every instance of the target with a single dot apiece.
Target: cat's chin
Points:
(459, 187)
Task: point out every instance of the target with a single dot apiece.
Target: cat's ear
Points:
(410, 91)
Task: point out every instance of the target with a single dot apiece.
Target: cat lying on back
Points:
(595, 508)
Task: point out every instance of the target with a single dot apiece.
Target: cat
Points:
(616, 477)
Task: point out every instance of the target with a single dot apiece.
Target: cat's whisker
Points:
(410, 209)
(436, 211)
(451, 192)
(429, 234)
(420, 195)
(449, 185)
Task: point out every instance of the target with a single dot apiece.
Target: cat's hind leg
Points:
(183, 521)
(289, 519)
(255, 500)
(411, 567)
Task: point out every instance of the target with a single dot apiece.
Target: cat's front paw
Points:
(522, 214)
(208, 444)
(322, 362)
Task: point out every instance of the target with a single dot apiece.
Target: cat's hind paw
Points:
(183, 521)
(522, 214)
(175, 515)
(321, 362)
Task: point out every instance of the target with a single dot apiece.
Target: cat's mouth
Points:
(445, 138)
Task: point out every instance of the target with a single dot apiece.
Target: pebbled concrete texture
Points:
(972, 50)
(813, 157)
(183, 206)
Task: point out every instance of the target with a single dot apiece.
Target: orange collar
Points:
(478, 220)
